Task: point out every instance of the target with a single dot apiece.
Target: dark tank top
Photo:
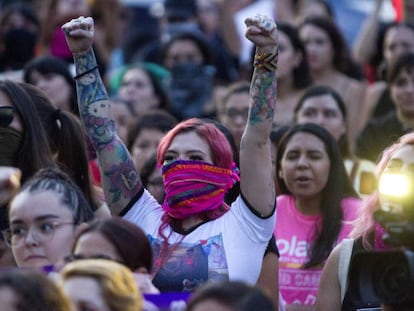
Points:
(348, 304)
(384, 104)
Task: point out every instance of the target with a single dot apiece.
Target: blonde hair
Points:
(119, 288)
(365, 223)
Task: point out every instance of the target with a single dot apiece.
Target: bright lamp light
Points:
(395, 185)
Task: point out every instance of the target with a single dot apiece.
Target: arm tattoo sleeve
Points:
(120, 179)
(263, 95)
(92, 97)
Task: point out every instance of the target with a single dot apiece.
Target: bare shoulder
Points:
(350, 89)
(377, 88)
(334, 255)
(356, 85)
(331, 266)
(329, 293)
(373, 94)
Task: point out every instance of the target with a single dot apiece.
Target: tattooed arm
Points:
(120, 180)
(256, 180)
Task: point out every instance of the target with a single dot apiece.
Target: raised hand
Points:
(262, 31)
(79, 34)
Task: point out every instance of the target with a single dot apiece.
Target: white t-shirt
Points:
(230, 247)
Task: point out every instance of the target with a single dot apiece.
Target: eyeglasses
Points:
(41, 232)
(234, 113)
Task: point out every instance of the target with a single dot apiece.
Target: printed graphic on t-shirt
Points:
(297, 285)
(190, 265)
(293, 250)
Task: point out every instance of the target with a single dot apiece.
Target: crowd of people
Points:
(142, 152)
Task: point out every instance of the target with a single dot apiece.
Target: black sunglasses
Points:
(6, 115)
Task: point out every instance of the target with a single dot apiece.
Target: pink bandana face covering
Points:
(192, 187)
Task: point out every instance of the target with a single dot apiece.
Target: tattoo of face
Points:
(100, 130)
(90, 92)
(90, 88)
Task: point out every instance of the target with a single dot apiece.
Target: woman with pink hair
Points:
(368, 233)
(194, 235)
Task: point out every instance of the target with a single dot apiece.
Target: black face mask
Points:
(10, 142)
(19, 44)
(191, 88)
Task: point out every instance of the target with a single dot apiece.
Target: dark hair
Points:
(341, 56)
(199, 40)
(148, 168)
(25, 9)
(158, 76)
(34, 153)
(180, 10)
(320, 90)
(55, 180)
(34, 290)
(327, 7)
(236, 88)
(301, 73)
(337, 187)
(67, 139)
(236, 295)
(155, 119)
(277, 133)
(47, 64)
(377, 60)
(129, 240)
(402, 24)
(403, 62)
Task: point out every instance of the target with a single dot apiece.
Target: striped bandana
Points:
(192, 187)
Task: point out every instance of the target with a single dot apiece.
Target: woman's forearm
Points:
(90, 89)
(263, 94)
(120, 179)
(256, 181)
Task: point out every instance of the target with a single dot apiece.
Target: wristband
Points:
(85, 72)
(267, 61)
